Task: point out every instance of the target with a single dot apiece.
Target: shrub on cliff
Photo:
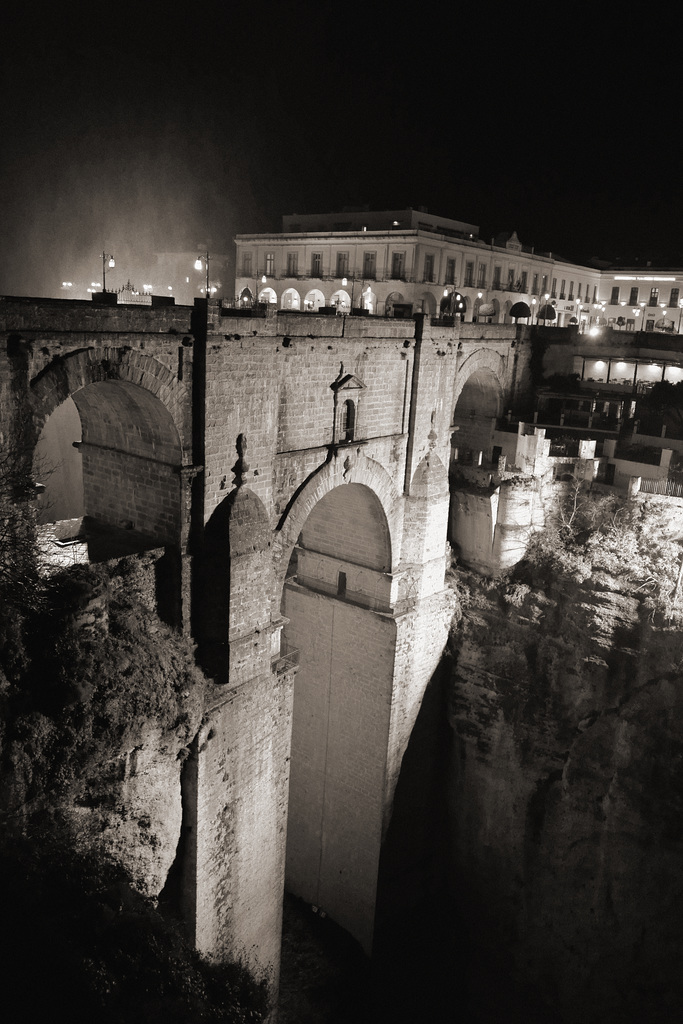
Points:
(629, 541)
(85, 675)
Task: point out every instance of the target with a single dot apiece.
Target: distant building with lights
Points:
(398, 262)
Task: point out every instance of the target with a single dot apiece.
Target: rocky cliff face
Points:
(566, 792)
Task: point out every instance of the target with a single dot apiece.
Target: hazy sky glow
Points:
(140, 130)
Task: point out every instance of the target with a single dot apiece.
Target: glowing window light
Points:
(599, 365)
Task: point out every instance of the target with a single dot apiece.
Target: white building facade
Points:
(399, 262)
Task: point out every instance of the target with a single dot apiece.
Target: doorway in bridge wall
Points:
(108, 458)
(337, 598)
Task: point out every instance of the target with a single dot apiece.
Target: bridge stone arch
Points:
(115, 424)
(479, 393)
(348, 466)
(62, 378)
(345, 528)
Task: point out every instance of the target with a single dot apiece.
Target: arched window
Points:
(348, 423)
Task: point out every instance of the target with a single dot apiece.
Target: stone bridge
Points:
(294, 469)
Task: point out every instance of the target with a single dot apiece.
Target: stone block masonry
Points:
(221, 438)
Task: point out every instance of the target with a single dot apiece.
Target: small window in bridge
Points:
(348, 423)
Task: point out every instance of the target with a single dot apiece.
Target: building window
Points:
(544, 284)
(369, 265)
(342, 264)
(571, 291)
(563, 289)
(553, 290)
(469, 275)
(595, 293)
(348, 420)
(316, 264)
(496, 277)
(246, 265)
(534, 286)
(578, 293)
(673, 298)
(270, 264)
(523, 281)
(450, 271)
(511, 278)
(633, 297)
(429, 267)
(481, 283)
(654, 297)
(398, 265)
(614, 298)
(292, 264)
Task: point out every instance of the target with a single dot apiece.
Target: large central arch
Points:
(337, 600)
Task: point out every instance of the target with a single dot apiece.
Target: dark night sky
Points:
(140, 129)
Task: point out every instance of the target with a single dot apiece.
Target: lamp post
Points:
(680, 306)
(198, 266)
(642, 306)
(107, 261)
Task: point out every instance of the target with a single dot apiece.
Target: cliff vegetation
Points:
(99, 701)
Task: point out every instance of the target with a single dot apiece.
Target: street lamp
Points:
(642, 306)
(198, 266)
(106, 256)
(680, 306)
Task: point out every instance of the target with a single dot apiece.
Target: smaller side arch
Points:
(481, 359)
(62, 378)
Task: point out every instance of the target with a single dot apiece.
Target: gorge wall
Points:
(565, 793)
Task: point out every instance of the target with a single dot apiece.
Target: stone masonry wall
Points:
(239, 831)
(125, 490)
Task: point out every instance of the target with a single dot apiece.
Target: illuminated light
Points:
(112, 263)
(648, 277)
(445, 291)
(170, 288)
(197, 264)
(593, 331)
(147, 287)
(67, 284)
(263, 279)
(621, 366)
(599, 364)
(187, 280)
(345, 282)
(95, 284)
(480, 295)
